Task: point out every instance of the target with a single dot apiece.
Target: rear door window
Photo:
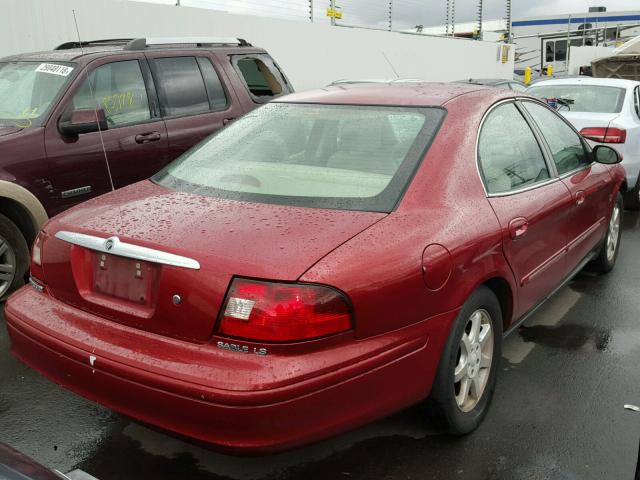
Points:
(119, 89)
(261, 77)
(509, 156)
(188, 86)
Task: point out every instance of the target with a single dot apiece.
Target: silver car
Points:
(604, 110)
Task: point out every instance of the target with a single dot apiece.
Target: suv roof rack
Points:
(94, 43)
(142, 43)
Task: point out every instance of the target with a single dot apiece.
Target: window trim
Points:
(88, 72)
(552, 172)
(636, 101)
(585, 146)
(158, 84)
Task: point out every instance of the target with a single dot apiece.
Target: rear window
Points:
(586, 98)
(328, 156)
(261, 76)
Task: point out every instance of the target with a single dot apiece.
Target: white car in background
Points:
(604, 110)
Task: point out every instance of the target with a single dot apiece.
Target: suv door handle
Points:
(147, 137)
(518, 227)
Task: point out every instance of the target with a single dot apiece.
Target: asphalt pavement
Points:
(558, 412)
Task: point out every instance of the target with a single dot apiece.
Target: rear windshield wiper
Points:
(560, 102)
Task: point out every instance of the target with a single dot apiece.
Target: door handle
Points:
(147, 137)
(518, 227)
(580, 196)
(227, 120)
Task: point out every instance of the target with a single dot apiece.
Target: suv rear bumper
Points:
(257, 421)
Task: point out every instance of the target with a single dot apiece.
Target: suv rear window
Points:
(182, 87)
(329, 156)
(586, 98)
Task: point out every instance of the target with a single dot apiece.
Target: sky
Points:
(405, 13)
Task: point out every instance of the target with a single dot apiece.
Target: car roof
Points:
(611, 82)
(392, 94)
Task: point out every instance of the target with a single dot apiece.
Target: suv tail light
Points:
(604, 134)
(283, 312)
(36, 257)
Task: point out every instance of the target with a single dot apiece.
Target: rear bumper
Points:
(59, 341)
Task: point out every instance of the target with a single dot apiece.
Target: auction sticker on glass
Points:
(54, 69)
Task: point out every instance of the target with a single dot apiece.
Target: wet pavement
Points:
(557, 413)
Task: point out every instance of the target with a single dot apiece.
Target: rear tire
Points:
(632, 198)
(14, 257)
(608, 253)
(469, 361)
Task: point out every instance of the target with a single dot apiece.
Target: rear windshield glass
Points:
(327, 156)
(586, 98)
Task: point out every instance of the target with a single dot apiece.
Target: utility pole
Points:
(479, 19)
(333, 9)
(448, 17)
(509, 26)
(453, 18)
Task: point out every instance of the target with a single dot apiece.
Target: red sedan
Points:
(326, 260)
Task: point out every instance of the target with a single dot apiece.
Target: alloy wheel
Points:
(475, 356)
(614, 233)
(7, 265)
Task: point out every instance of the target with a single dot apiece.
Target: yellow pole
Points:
(527, 75)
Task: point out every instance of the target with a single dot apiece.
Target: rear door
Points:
(135, 143)
(590, 183)
(195, 100)
(530, 202)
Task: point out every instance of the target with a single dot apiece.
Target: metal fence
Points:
(393, 15)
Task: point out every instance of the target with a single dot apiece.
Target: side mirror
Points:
(606, 155)
(85, 120)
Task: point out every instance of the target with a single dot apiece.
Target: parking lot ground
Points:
(557, 412)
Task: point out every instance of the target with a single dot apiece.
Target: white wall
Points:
(312, 55)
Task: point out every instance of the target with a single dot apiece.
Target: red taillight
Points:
(282, 312)
(604, 134)
(36, 257)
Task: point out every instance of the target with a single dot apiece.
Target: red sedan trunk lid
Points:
(226, 237)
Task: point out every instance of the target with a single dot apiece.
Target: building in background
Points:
(566, 42)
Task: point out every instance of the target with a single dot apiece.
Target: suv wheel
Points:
(14, 257)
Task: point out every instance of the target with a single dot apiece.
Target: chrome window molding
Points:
(114, 246)
(533, 186)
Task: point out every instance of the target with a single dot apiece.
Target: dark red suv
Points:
(85, 118)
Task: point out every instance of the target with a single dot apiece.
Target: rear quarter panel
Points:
(381, 269)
